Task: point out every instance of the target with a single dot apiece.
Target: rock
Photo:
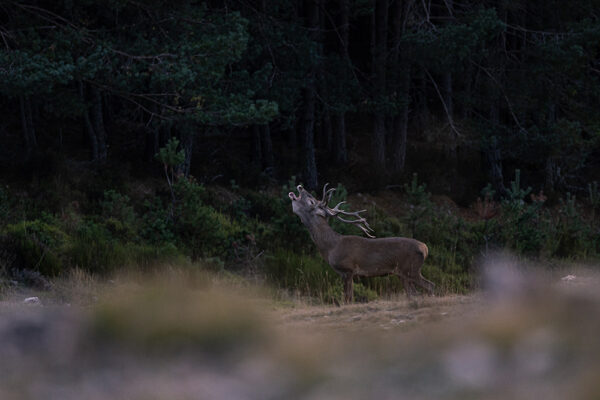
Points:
(32, 300)
(568, 278)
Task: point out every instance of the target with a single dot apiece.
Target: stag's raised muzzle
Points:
(293, 196)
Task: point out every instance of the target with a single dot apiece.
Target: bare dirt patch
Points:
(385, 315)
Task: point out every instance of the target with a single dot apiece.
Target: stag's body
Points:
(352, 256)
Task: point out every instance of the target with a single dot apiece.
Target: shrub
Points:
(119, 214)
(4, 205)
(38, 245)
(574, 236)
(363, 293)
(94, 249)
(285, 229)
(156, 224)
(419, 206)
(522, 222)
(205, 231)
(308, 275)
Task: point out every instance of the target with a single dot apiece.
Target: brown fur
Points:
(352, 256)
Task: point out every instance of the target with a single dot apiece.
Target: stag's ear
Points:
(321, 212)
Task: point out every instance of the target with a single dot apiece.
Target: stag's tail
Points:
(423, 250)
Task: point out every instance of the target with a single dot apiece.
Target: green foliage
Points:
(169, 156)
(594, 199)
(94, 249)
(341, 194)
(420, 206)
(516, 195)
(522, 221)
(449, 281)
(364, 294)
(573, 233)
(156, 223)
(205, 231)
(119, 214)
(285, 229)
(5, 206)
(308, 275)
(38, 245)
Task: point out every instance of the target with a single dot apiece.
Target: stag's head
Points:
(309, 209)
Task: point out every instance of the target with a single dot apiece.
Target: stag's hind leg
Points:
(424, 283)
(416, 277)
(408, 284)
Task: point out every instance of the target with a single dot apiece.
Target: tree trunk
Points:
(267, 149)
(27, 125)
(493, 154)
(340, 153)
(401, 127)
(447, 79)
(98, 121)
(401, 75)
(379, 67)
(257, 158)
(308, 146)
(188, 147)
(447, 95)
(339, 150)
(88, 123)
(309, 95)
(467, 104)
(327, 133)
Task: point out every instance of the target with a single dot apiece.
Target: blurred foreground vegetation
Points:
(184, 334)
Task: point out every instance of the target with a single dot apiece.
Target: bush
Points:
(284, 229)
(305, 274)
(419, 207)
(156, 224)
(4, 205)
(119, 214)
(522, 222)
(205, 231)
(38, 245)
(94, 249)
(574, 236)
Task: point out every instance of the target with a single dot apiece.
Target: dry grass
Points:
(181, 334)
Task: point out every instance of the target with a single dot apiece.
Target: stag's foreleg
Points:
(348, 287)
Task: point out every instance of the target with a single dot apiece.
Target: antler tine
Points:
(324, 191)
(366, 232)
(361, 222)
(327, 193)
(335, 210)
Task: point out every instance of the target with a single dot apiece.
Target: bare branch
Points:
(508, 103)
(450, 119)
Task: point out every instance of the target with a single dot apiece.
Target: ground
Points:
(395, 315)
(170, 338)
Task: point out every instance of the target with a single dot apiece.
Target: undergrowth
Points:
(252, 233)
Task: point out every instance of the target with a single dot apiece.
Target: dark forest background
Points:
(134, 132)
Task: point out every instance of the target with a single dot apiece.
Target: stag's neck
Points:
(321, 233)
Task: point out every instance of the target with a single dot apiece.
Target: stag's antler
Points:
(361, 222)
(326, 195)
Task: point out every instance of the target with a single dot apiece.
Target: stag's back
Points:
(372, 257)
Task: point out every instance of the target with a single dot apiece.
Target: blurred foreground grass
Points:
(184, 336)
